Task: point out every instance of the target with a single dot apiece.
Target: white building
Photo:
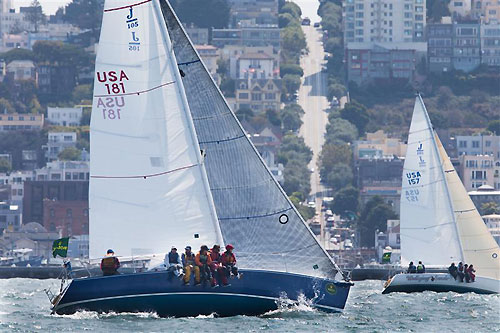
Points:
(493, 223)
(64, 116)
(58, 141)
(384, 20)
(64, 170)
(10, 22)
(5, 6)
(460, 8)
(21, 70)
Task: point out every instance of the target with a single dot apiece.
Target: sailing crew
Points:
(216, 265)
(466, 273)
(189, 266)
(411, 268)
(229, 264)
(110, 264)
(460, 272)
(471, 272)
(453, 270)
(173, 262)
(203, 261)
(420, 267)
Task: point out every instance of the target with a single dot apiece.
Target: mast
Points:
(185, 106)
(448, 197)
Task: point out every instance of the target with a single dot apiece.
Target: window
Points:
(69, 212)
(243, 95)
(256, 97)
(462, 144)
(487, 143)
(52, 212)
(475, 144)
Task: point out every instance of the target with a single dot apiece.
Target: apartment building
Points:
(384, 20)
(490, 43)
(378, 145)
(20, 122)
(64, 116)
(259, 95)
(466, 46)
(248, 34)
(486, 10)
(261, 11)
(57, 142)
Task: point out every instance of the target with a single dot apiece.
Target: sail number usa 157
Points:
(413, 178)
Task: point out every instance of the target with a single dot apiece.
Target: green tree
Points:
(307, 212)
(340, 131)
(17, 54)
(14, 142)
(5, 165)
(204, 13)
(35, 15)
(293, 39)
(85, 14)
(294, 147)
(6, 106)
(357, 114)
(82, 94)
(489, 208)
(293, 69)
(292, 9)
(340, 176)
(291, 117)
(346, 200)
(374, 216)
(228, 86)
(285, 19)
(445, 96)
(297, 177)
(291, 83)
(58, 53)
(494, 126)
(244, 113)
(70, 154)
(436, 9)
(336, 89)
(332, 154)
(273, 117)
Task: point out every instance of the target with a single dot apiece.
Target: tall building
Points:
(490, 43)
(384, 20)
(5, 6)
(486, 10)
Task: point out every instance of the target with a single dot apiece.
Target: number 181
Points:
(111, 114)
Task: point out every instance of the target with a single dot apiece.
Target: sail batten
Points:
(256, 219)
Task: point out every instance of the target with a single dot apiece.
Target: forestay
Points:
(254, 212)
(479, 247)
(428, 229)
(147, 187)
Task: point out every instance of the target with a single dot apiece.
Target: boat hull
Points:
(257, 292)
(439, 282)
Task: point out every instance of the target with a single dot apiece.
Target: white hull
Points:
(439, 282)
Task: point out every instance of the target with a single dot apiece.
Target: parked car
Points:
(334, 102)
(316, 24)
(306, 21)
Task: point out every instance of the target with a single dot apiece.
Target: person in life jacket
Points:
(188, 261)
(229, 263)
(466, 273)
(173, 262)
(460, 272)
(203, 261)
(471, 271)
(216, 265)
(453, 270)
(411, 268)
(110, 264)
(420, 267)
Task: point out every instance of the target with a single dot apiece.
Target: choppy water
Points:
(25, 308)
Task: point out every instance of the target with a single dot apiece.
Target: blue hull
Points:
(257, 292)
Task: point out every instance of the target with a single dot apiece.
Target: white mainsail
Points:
(428, 229)
(478, 246)
(148, 187)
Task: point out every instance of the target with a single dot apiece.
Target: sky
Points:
(49, 6)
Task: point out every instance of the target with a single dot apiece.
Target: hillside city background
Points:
(375, 55)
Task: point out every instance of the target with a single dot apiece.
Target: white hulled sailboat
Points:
(439, 222)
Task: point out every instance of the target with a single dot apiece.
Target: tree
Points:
(273, 117)
(5, 165)
(445, 95)
(293, 39)
(336, 89)
(70, 154)
(6, 106)
(306, 212)
(294, 147)
(17, 54)
(436, 9)
(489, 208)
(330, 155)
(297, 177)
(346, 200)
(357, 114)
(244, 113)
(35, 14)
(228, 86)
(374, 216)
(494, 127)
(291, 83)
(86, 14)
(293, 69)
(340, 176)
(82, 93)
(292, 9)
(340, 131)
(291, 117)
(285, 19)
(204, 13)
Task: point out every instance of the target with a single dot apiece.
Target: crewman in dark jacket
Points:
(411, 268)
(110, 264)
(453, 270)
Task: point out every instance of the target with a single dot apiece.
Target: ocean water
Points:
(24, 307)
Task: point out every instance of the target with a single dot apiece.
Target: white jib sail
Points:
(148, 188)
(479, 247)
(428, 230)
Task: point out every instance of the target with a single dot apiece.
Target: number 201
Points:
(111, 114)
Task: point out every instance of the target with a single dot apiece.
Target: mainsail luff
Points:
(428, 229)
(254, 212)
(146, 186)
(478, 246)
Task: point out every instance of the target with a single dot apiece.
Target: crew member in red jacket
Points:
(228, 264)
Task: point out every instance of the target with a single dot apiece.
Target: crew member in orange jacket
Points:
(203, 261)
(110, 264)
